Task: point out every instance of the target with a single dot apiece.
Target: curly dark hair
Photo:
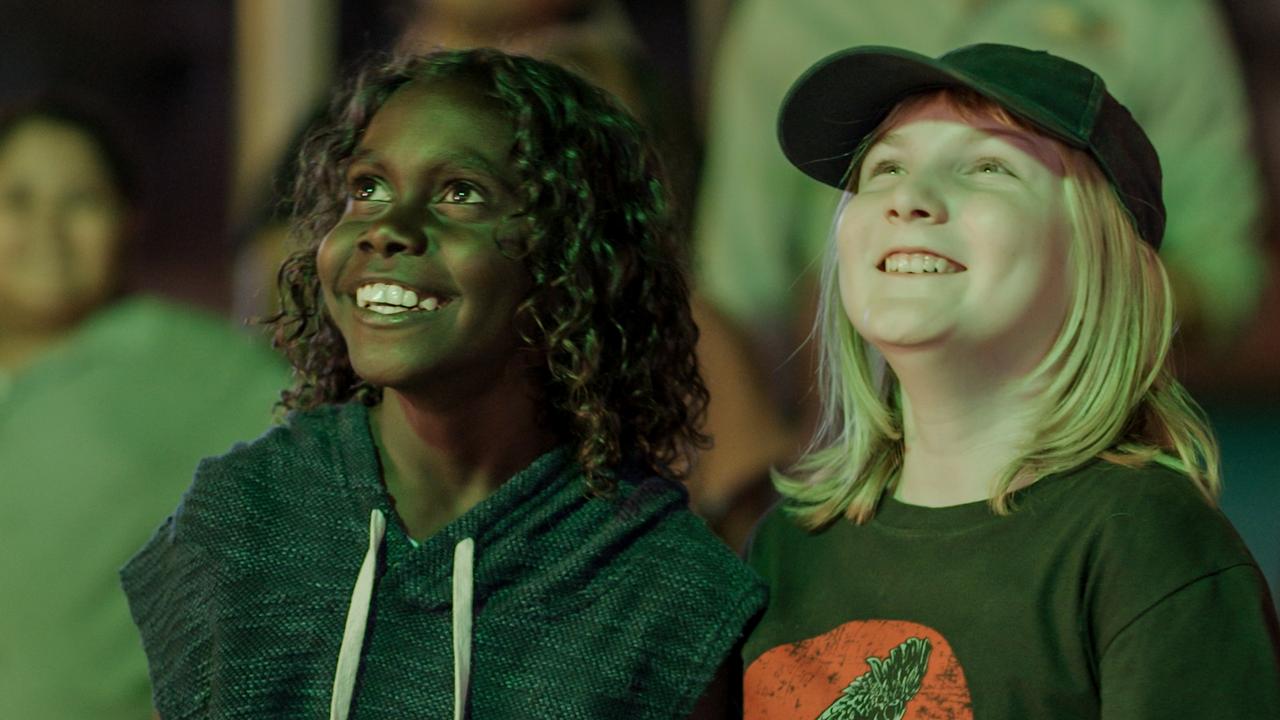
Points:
(608, 310)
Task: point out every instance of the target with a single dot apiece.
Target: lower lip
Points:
(918, 275)
(410, 317)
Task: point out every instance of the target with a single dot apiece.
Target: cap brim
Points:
(841, 99)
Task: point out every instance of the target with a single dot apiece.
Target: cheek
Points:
(496, 283)
(10, 238)
(510, 281)
(1060, 270)
(853, 260)
(329, 261)
(1031, 278)
(847, 281)
(96, 241)
(1050, 255)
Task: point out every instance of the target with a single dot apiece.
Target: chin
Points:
(380, 372)
(902, 330)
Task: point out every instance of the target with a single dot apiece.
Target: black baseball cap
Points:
(835, 104)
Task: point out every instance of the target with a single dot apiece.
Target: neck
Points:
(962, 426)
(441, 457)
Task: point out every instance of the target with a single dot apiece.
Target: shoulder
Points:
(692, 596)
(1149, 533)
(257, 488)
(1147, 514)
(312, 436)
(250, 502)
(673, 560)
(266, 477)
(151, 317)
(779, 539)
(683, 542)
(1151, 506)
(197, 356)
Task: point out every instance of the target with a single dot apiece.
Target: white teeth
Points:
(918, 263)
(389, 299)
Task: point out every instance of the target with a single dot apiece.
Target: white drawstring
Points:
(463, 586)
(344, 677)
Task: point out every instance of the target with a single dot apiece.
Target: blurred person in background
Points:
(107, 402)
(760, 226)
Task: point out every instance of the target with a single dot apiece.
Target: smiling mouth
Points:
(901, 263)
(391, 299)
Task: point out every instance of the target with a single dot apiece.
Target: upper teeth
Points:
(388, 299)
(918, 263)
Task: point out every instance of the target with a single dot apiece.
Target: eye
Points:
(85, 200)
(991, 166)
(16, 197)
(367, 188)
(461, 192)
(885, 167)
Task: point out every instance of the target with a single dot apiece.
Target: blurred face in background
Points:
(62, 226)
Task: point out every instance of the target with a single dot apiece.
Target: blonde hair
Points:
(1107, 378)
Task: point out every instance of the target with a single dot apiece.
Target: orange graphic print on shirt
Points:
(864, 669)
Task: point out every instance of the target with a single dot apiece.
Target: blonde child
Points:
(1008, 510)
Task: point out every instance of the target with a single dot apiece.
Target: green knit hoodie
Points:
(537, 603)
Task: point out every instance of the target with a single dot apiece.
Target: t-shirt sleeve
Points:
(169, 584)
(1209, 649)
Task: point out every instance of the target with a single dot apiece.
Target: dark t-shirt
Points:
(1108, 593)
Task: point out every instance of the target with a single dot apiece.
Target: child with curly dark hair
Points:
(468, 510)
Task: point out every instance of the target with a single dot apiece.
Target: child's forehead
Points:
(945, 107)
(437, 111)
(461, 95)
(922, 116)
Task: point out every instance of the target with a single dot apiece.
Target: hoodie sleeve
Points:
(168, 584)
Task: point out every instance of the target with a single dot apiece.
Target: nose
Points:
(393, 235)
(915, 199)
(48, 225)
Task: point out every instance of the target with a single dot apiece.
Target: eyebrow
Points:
(892, 139)
(1023, 140)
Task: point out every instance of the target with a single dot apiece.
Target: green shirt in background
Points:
(98, 439)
